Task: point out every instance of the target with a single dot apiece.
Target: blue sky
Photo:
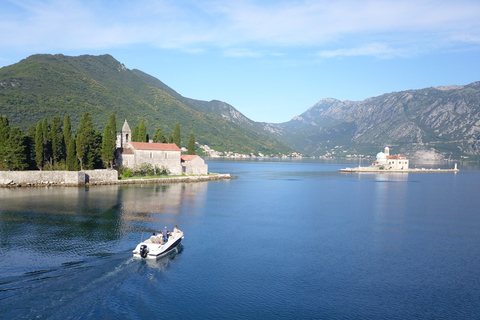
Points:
(271, 60)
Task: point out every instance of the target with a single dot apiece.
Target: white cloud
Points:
(370, 27)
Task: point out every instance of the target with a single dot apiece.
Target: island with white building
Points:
(386, 163)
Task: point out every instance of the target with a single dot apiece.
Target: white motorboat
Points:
(154, 247)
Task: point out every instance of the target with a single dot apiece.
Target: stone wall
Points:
(74, 178)
(41, 177)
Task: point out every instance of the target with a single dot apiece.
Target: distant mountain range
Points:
(441, 122)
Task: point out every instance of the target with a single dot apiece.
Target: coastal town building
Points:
(165, 156)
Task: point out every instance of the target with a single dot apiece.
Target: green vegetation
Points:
(191, 144)
(44, 86)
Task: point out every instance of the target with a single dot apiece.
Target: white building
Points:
(388, 162)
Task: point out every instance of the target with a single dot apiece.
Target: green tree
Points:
(47, 143)
(85, 139)
(16, 150)
(158, 137)
(176, 135)
(142, 132)
(72, 161)
(170, 138)
(135, 134)
(57, 138)
(191, 144)
(39, 146)
(109, 142)
(30, 141)
(4, 133)
(67, 130)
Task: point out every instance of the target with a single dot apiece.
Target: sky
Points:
(271, 60)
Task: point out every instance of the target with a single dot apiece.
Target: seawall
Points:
(87, 177)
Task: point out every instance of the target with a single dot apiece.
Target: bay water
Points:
(289, 239)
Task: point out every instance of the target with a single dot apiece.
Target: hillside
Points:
(444, 119)
(43, 86)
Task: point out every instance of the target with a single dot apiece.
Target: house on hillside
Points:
(163, 155)
(193, 165)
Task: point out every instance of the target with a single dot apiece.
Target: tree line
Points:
(53, 146)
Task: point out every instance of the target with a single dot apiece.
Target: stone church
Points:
(163, 155)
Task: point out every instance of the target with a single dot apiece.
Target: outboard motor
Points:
(143, 251)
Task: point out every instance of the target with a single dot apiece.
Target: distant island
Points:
(386, 163)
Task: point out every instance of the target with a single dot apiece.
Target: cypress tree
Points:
(142, 132)
(176, 135)
(72, 162)
(135, 134)
(15, 150)
(85, 139)
(67, 130)
(191, 144)
(58, 144)
(46, 140)
(30, 141)
(39, 146)
(158, 137)
(4, 133)
(109, 143)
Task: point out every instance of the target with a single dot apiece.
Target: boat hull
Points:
(151, 250)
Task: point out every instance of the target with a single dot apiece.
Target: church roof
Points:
(188, 157)
(155, 146)
(398, 156)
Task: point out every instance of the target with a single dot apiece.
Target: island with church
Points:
(386, 163)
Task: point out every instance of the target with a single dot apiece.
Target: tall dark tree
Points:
(15, 150)
(85, 139)
(142, 132)
(67, 130)
(158, 137)
(58, 144)
(30, 141)
(176, 136)
(72, 160)
(47, 142)
(4, 133)
(135, 134)
(109, 142)
(191, 144)
(170, 138)
(39, 145)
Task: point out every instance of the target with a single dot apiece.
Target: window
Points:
(151, 155)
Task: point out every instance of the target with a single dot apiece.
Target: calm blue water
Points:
(284, 239)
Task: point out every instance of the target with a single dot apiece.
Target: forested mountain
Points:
(444, 119)
(44, 86)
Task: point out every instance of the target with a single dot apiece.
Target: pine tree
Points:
(191, 144)
(85, 139)
(109, 143)
(72, 162)
(39, 146)
(176, 135)
(30, 141)
(142, 132)
(15, 150)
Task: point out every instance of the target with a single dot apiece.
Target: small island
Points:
(385, 163)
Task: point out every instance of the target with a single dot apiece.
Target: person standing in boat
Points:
(165, 233)
(176, 231)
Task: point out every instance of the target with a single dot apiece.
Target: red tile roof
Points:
(155, 146)
(188, 157)
(398, 156)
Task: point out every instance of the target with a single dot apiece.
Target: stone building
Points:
(163, 155)
(193, 165)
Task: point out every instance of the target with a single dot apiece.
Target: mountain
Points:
(443, 120)
(43, 86)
